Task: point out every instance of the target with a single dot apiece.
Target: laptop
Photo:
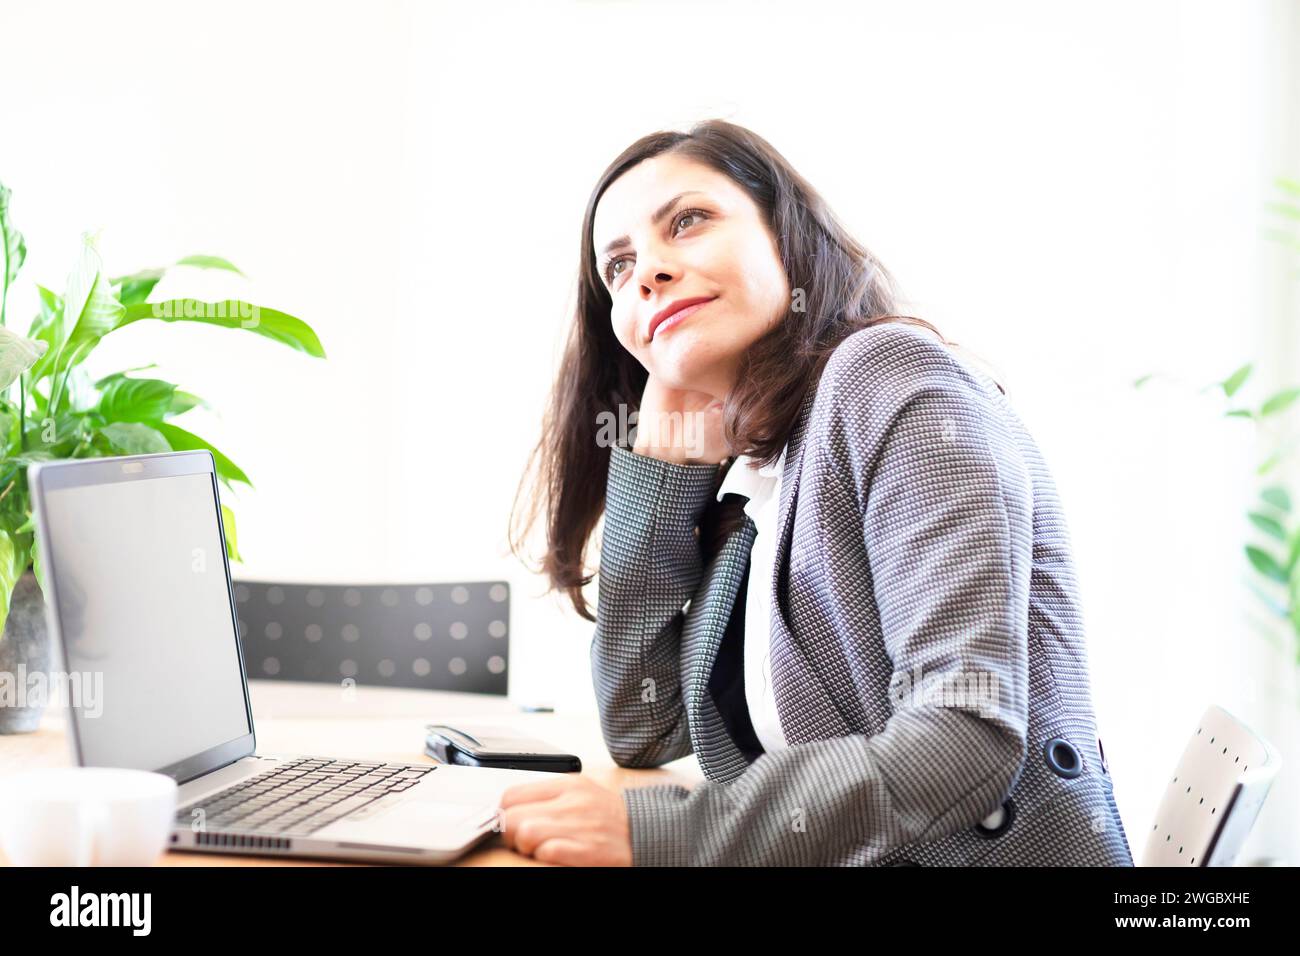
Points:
(138, 593)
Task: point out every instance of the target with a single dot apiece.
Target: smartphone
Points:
(472, 747)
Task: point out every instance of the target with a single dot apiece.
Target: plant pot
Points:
(24, 650)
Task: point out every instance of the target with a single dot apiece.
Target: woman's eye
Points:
(611, 273)
(690, 214)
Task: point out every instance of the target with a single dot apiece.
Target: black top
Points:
(727, 682)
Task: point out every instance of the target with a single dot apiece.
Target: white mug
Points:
(85, 816)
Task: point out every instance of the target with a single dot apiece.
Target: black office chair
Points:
(430, 636)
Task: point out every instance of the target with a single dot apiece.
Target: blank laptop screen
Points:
(142, 598)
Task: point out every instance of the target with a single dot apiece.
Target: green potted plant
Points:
(59, 413)
(1273, 552)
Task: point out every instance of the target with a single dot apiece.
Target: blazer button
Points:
(997, 822)
(1063, 758)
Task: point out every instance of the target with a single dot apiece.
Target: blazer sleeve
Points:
(946, 518)
(650, 566)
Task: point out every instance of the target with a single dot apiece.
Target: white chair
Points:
(1214, 797)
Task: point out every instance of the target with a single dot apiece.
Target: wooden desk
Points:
(371, 723)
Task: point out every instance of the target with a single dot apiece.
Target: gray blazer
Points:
(928, 653)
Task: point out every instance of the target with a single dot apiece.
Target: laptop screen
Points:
(139, 572)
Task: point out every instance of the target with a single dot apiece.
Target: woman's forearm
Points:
(650, 566)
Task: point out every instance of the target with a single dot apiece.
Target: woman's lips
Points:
(676, 317)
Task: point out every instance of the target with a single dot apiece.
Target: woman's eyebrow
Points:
(658, 216)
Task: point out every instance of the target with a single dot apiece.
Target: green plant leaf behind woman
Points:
(59, 413)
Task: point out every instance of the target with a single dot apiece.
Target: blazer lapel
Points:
(719, 757)
(795, 678)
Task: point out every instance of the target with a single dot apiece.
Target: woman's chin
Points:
(684, 362)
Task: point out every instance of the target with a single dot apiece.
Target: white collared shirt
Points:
(762, 488)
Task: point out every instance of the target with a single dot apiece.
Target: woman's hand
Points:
(679, 426)
(568, 820)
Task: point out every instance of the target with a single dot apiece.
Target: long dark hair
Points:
(838, 287)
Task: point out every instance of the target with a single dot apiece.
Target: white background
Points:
(1075, 192)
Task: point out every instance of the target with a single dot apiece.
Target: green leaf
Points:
(1291, 186)
(12, 467)
(135, 438)
(1240, 413)
(9, 573)
(1143, 379)
(1269, 525)
(232, 314)
(99, 317)
(79, 396)
(1279, 402)
(13, 250)
(1233, 382)
(182, 402)
(209, 262)
(29, 457)
(1273, 234)
(108, 378)
(1284, 209)
(46, 327)
(10, 434)
(1272, 461)
(92, 310)
(232, 539)
(17, 354)
(134, 399)
(1293, 555)
(37, 567)
(1277, 497)
(136, 287)
(56, 436)
(1266, 564)
(181, 440)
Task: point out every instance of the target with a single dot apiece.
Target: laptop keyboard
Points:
(301, 795)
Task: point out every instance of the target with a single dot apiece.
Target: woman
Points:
(882, 660)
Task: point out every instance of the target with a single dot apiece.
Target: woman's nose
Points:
(649, 287)
(652, 271)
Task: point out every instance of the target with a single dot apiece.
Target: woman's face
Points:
(670, 230)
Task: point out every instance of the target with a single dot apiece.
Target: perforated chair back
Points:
(1214, 796)
(433, 636)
